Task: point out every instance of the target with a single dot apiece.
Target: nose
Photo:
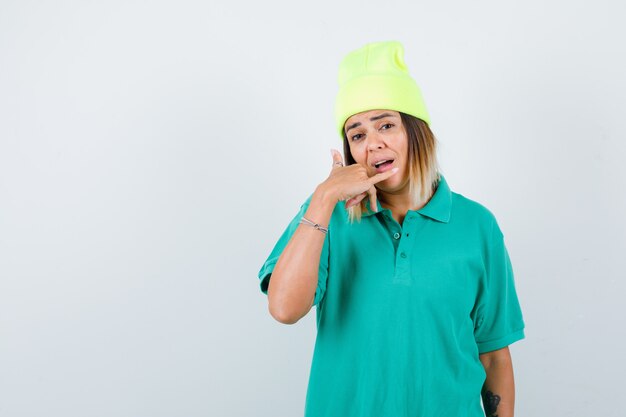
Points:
(375, 141)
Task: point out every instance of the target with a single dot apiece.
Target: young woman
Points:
(416, 302)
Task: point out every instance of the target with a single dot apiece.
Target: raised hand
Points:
(351, 183)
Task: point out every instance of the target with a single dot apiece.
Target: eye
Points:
(355, 136)
(386, 124)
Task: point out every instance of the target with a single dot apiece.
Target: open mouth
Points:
(383, 166)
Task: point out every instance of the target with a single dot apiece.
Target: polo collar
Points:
(437, 208)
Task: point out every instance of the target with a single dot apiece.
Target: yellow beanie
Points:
(376, 77)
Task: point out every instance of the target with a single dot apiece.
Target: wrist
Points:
(325, 196)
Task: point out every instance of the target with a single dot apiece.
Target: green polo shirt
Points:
(403, 311)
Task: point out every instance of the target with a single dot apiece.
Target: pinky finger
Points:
(372, 195)
(355, 200)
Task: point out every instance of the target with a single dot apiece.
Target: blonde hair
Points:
(422, 162)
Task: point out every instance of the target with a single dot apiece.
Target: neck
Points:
(400, 202)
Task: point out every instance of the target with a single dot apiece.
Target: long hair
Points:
(422, 162)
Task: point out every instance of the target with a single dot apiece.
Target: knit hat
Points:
(376, 77)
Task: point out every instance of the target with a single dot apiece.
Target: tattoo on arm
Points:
(490, 403)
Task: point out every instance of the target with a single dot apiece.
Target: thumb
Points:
(336, 158)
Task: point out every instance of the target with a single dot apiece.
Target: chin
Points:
(392, 185)
(388, 187)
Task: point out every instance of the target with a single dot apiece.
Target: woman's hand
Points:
(351, 182)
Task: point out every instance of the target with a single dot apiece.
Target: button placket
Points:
(403, 267)
(404, 250)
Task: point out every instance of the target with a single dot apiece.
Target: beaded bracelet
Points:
(306, 221)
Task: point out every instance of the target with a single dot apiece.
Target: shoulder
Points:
(466, 206)
(474, 214)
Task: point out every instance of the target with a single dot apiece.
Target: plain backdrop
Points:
(152, 152)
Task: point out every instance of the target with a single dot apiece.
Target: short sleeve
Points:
(268, 267)
(499, 320)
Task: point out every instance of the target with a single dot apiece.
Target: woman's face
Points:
(378, 135)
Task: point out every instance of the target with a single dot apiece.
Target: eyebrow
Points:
(357, 124)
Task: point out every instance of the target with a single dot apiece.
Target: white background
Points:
(152, 152)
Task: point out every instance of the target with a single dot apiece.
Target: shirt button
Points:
(396, 235)
(403, 255)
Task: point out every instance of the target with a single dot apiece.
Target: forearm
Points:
(294, 279)
(498, 392)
